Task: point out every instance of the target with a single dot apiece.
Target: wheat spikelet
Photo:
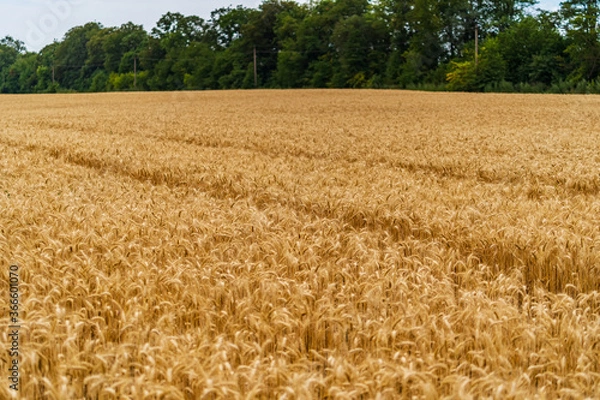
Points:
(399, 247)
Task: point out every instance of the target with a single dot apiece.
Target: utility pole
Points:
(53, 50)
(255, 69)
(475, 6)
(135, 72)
(476, 44)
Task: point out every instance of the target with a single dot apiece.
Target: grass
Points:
(303, 244)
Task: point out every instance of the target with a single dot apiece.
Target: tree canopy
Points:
(471, 45)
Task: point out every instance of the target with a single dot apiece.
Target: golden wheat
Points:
(303, 244)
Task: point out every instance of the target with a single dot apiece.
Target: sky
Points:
(40, 22)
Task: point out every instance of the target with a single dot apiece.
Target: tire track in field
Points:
(404, 225)
(455, 171)
(586, 186)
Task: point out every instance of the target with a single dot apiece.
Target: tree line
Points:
(467, 45)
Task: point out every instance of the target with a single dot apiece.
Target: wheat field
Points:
(302, 244)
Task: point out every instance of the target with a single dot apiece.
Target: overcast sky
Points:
(39, 22)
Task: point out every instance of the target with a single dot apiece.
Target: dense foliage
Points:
(471, 45)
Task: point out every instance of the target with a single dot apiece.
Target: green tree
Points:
(121, 45)
(44, 69)
(173, 45)
(489, 71)
(533, 51)
(70, 58)
(581, 24)
(292, 62)
(494, 16)
(21, 76)
(227, 23)
(10, 50)
(196, 65)
(321, 52)
(361, 43)
(261, 33)
(425, 45)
